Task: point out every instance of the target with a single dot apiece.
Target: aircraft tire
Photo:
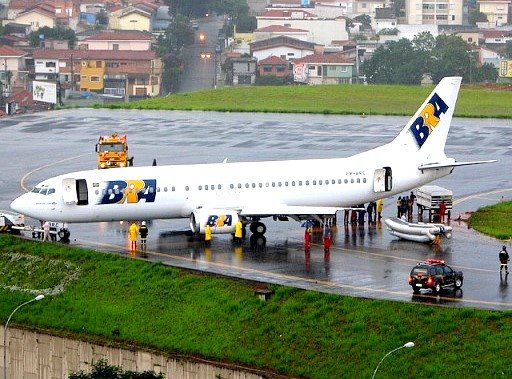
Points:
(258, 228)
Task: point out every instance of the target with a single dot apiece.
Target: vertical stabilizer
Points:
(427, 130)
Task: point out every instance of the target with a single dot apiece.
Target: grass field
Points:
(494, 220)
(329, 99)
(108, 298)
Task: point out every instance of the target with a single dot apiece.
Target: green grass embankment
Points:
(296, 332)
(328, 99)
(494, 220)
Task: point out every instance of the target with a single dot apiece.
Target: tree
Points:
(58, 32)
(507, 50)
(486, 73)
(476, 16)
(365, 20)
(395, 63)
(102, 17)
(451, 56)
(102, 370)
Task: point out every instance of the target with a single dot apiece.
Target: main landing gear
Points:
(257, 240)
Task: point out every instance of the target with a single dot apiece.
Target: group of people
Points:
(134, 231)
(373, 210)
(404, 206)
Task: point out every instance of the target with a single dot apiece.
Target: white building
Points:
(437, 12)
(322, 31)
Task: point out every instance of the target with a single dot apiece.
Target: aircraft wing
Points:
(294, 211)
(436, 165)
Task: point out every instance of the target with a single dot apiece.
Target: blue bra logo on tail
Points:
(428, 119)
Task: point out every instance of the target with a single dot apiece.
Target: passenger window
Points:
(266, 184)
(346, 181)
(300, 182)
(339, 181)
(206, 187)
(352, 180)
(219, 186)
(260, 185)
(200, 188)
(254, 185)
(186, 188)
(173, 188)
(231, 186)
(307, 182)
(157, 189)
(358, 180)
(364, 180)
(273, 184)
(212, 187)
(293, 183)
(320, 182)
(314, 182)
(246, 185)
(279, 184)
(326, 182)
(96, 192)
(239, 185)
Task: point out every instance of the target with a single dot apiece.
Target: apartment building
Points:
(436, 12)
(497, 11)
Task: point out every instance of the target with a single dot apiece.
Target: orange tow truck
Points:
(112, 151)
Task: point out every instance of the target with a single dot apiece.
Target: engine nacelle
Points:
(220, 220)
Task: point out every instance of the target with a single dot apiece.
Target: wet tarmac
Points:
(363, 260)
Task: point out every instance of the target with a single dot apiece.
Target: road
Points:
(200, 58)
(363, 261)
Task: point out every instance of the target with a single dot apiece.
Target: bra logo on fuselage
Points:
(428, 119)
(129, 191)
(220, 220)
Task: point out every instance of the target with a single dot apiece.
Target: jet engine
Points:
(220, 220)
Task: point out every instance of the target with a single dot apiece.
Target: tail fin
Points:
(428, 129)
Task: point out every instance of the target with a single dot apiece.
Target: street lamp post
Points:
(37, 298)
(408, 344)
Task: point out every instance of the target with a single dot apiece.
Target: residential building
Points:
(324, 69)
(12, 69)
(368, 7)
(274, 66)
(241, 70)
(497, 11)
(115, 72)
(470, 36)
(37, 17)
(132, 40)
(280, 30)
(322, 31)
(131, 18)
(284, 47)
(438, 12)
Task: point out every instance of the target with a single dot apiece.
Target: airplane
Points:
(218, 194)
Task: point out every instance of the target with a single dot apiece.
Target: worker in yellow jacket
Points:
(133, 234)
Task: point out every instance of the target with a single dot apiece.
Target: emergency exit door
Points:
(382, 180)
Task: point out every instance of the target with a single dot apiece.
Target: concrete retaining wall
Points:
(33, 355)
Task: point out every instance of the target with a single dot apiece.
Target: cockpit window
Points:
(43, 190)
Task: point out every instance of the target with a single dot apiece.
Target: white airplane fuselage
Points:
(217, 194)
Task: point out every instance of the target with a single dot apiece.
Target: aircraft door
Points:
(382, 180)
(74, 191)
(69, 195)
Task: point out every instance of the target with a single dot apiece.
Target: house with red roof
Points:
(38, 16)
(273, 66)
(324, 69)
(114, 72)
(133, 40)
(285, 47)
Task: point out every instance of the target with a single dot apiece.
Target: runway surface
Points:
(363, 261)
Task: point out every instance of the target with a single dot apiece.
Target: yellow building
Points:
(92, 73)
(130, 18)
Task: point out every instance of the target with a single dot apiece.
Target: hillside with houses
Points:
(114, 47)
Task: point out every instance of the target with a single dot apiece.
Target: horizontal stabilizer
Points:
(432, 166)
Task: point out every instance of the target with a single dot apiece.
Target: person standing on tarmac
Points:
(143, 231)
(238, 232)
(133, 234)
(380, 205)
(46, 231)
(207, 235)
(504, 258)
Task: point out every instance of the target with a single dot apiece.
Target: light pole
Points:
(37, 298)
(408, 344)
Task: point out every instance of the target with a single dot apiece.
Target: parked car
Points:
(434, 274)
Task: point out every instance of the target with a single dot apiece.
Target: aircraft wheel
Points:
(257, 241)
(258, 228)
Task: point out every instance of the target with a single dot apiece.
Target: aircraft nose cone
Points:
(19, 204)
